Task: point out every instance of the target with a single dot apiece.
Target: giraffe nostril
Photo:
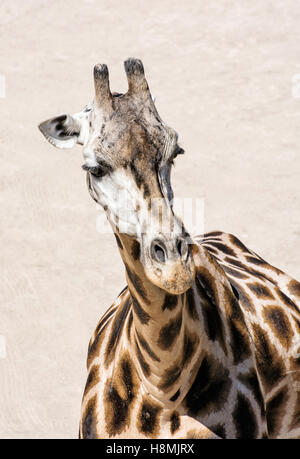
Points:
(182, 247)
(158, 252)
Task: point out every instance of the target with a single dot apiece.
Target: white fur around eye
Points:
(119, 192)
(88, 151)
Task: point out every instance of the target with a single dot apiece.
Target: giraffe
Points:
(203, 342)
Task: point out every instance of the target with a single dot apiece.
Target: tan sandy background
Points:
(224, 74)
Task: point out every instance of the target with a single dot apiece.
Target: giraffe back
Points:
(270, 301)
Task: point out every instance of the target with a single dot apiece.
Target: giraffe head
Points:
(128, 152)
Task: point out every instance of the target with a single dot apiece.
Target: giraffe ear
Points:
(62, 131)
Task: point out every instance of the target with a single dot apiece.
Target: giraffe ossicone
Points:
(203, 342)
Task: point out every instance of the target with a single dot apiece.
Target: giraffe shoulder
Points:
(241, 262)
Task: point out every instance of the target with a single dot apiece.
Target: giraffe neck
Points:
(168, 335)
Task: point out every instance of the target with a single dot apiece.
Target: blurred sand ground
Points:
(224, 75)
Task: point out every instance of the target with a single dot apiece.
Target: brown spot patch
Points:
(286, 300)
(123, 290)
(250, 380)
(206, 283)
(170, 376)
(212, 250)
(136, 250)
(92, 379)
(89, 420)
(222, 248)
(276, 409)
(235, 241)
(213, 234)
(244, 418)
(144, 365)
(170, 302)
(235, 273)
(269, 362)
(256, 261)
(235, 262)
(210, 388)
(218, 429)
(120, 393)
(175, 422)
(261, 291)
(137, 284)
(211, 314)
(142, 315)
(116, 331)
(262, 276)
(280, 324)
(146, 347)
(175, 396)
(190, 344)
(294, 288)
(95, 345)
(191, 305)
(239, 335)
(148, 419)
(118, 241)
(105, 318)
(244, 299)
(129, 324)
(169, 332)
